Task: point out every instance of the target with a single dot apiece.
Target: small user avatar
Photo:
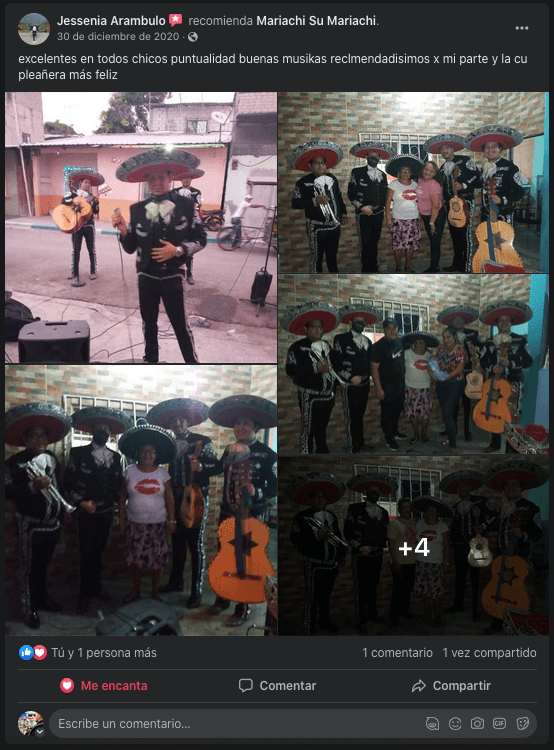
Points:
(29, 722)
(34, 28)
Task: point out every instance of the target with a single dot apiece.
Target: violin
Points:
(495, 239)
(458, 211)
(240, 569)
(192, 507)
(507, 585)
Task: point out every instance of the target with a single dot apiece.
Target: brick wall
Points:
(291, 580)
(341, 117)
(132, 382)
(337, 289)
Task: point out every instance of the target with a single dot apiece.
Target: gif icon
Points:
(499, 723)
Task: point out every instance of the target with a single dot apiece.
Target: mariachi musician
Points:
(246, 415)
(461, 178)
(315, 534)
(506, 354)
(36, 493)
(519, 521)
(319, 196)
(195, 455)
(309, 366)
(188, 191)
(81, 184)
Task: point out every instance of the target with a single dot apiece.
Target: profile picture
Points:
(34, 28)
(29, 722)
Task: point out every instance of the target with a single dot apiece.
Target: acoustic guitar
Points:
(458, 210)
(192, 507)
(479, 555)
(495, 239)
(474, 380)
(507, 585)
(71, 218)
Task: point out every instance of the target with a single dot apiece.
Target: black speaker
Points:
(143, 617)
(55, 343)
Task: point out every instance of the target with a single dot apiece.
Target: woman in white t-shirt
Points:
(430, 567)
(417, 386)
(147, 518)
(404, 224)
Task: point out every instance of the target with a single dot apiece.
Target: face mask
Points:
(100, 437)
(358, 327)
(373, 161)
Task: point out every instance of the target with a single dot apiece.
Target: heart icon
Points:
(66, 685)
(40, 652)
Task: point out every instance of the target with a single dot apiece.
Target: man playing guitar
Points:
(87, 231)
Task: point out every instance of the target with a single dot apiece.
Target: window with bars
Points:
(403, 143)
(409, 316)
(413, 483)
(197, 126)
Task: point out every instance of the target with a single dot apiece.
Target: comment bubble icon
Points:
(245, 684)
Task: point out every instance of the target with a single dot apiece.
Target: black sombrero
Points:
(95, 178)
(423, 503)
(296, 319)
(24, 417)
(433, 145)
(518, 311)
(85, 419)
(361, 150)
(193, 411)
(386, 484)
(225, 411)
(431, 342)
(163, 442)
(179, 163)
(369, 314)
(300, 488)
(451, 482)
(503, 134)
(449, 314)
(393, 165)
(530, 474)
(302, 155)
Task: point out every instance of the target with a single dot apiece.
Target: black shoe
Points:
(169, 587)
(392, 445)
(443, 433)
(82, 605)
(451, 610)
(431, 270)
(329, 626)
(407, 615)
(376, 618)
(49, 606)
(476, 617)
(32, 620)
(220, 605)
(362, 629)
(364, 448)
(241, 616)
(491, 630)
(190, 279)
(194, 601)
(449, 269)
(468, 438)
(400, 436)
(103, 596)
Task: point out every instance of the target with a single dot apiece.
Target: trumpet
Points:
(334, 539)
(319, 187)
(319, 354)
(37, 468)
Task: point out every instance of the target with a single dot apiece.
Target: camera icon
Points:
(477, 723)
(499, 723)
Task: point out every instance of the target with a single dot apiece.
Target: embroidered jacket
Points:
(349, 359)
(361, 529)
(519, 357)
(363, 191)
(301, 366)
(305, 198)
(468, 176)
(85, 480)
(509, 187)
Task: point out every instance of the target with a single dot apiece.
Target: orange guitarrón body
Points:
(499, 412)
(506, 588)
(495, 239)
(71, 218)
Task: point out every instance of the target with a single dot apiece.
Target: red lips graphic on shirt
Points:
(420, 364)
(148, 486)
(409, 195)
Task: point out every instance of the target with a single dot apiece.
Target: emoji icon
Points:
(432, 723)
(455, 723)
(175, 18)
(26, 652)
(66, 685)
(40, 652)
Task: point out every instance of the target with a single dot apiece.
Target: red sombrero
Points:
(225, 411)
(193, 411)
(451, 482)
(300, 488)
(386, 484)
(433, 145)
(503, 134)
(179, 163)
(518, 311)
(449, 315)
(85, 419)
(533, 438)
(529, 474)
(296, 319)
(301, 157)
(361, 150)
(369, 314)
(95, 178)
(24, 417)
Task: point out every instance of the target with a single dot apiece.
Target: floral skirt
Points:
(417, 402)
(429, 580)
(405, 235)
(147, 545)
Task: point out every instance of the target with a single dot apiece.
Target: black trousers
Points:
(319, 578)
(468, 412)
(171, 291)
(184, 540)
(366, 572)
(36, 549)
(354, 403)
(461, 552)
(390, 415)
(369, 231)
(324, 242)
(315, 412)
(88, 232)
(462, 242)
(94, 531)
(402, 586)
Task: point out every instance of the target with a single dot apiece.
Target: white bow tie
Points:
(163, 209)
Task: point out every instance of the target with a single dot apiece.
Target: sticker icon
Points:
(523, 723)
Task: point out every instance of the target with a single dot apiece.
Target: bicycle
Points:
(239, 235)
